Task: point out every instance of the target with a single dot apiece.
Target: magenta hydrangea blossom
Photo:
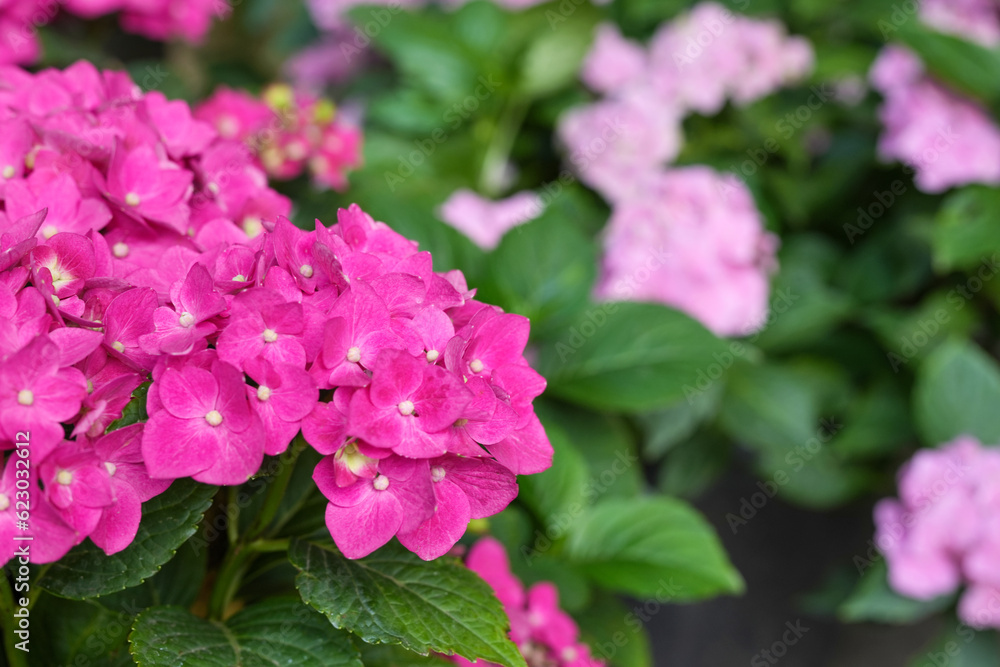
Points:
(289, 131)
(544, 633)
(249, 329)
(942, 531)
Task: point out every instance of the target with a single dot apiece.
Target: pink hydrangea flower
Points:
(613, 62)
(289, 132)
(943, 531)
(51, 536)
(695, 241)
(204, 428)
(120, 453)
(484, 221)
(544, 633)
(948, 140)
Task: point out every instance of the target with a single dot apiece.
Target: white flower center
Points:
(186, 319)
(132, 199)
(406, 408)
(263, 392)
(56, 300)
(381, 483)
(252, 226)
(354, 355)
(48, 231)
(9, 171)
(118, 346)
(64, 477)
(239, 278)
(214, 417)
(110, 467)
(120, 250)
(306, 270)
(213, 187)
(476, 366)
(437, 473)
(432, 355)
(270, 335)
(25, 397)
(4, 502)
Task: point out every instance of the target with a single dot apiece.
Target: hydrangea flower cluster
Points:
(545, 634)
(689, 238)
(418, 395)
(157, 19)
(944, 530)
(693, 65)
(693, 239)
(289, 131)
(947, 139)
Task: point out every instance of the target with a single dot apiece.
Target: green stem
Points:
(15, 657)
(37, 590)
(233, 525)
(276, 489)
(501, 142)
(228, 582)
(269, 546)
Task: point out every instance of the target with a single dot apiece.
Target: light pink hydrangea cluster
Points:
(157, 19)
(944, 530)
(689, 238)
(290, 132)
(693, 239)
(947, 139)
(110, 275)
(545, 634)
(694, 64)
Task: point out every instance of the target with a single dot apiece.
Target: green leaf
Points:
(135, 409)
(274, 632)
(168, 520)
(873, 600)
(632, 357)
(957, 392)
(544, 270)
(804, 307)
(177, 583)
(970, 68)
(961, 646)
(423, 47)
(690, 467)
(644, 546)
(878, 423)
(616, 634)
(965, 233)
(77, 632)
(385, 655)
(667, 428)
(392, 597)
(775, 409)
(562, 486)
(552, 60)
